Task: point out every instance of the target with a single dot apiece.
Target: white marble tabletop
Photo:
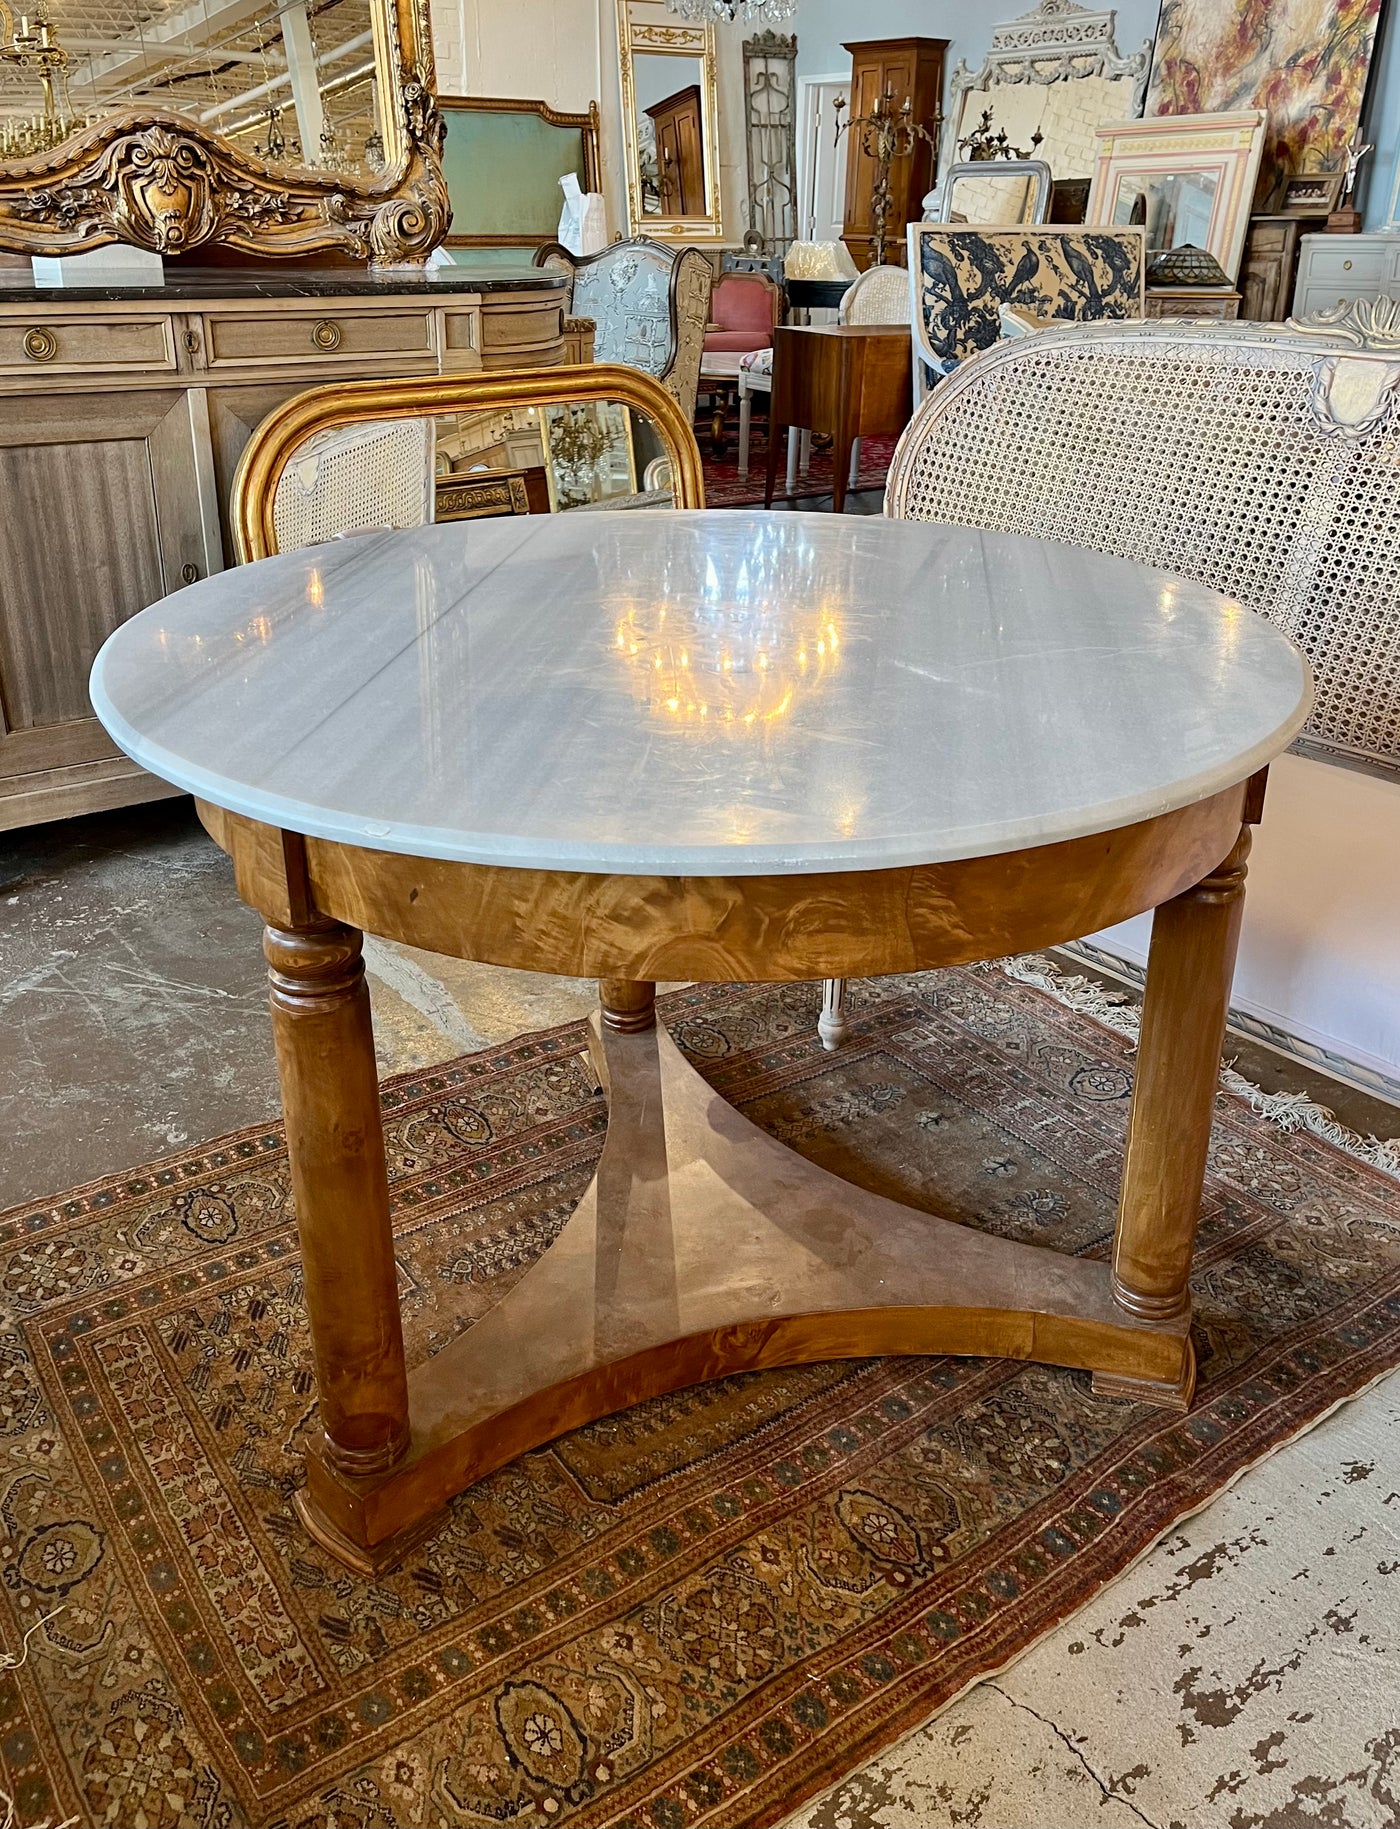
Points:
(727, 692)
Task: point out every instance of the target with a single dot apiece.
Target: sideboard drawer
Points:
(41, 343)
(324, 335)
(1346, 266)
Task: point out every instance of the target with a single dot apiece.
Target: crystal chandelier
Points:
(727, 12)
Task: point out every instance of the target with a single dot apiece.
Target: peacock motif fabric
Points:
(966, 275)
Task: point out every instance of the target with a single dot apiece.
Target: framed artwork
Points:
(1185, 179)
(1305, 62)
(1312, 194)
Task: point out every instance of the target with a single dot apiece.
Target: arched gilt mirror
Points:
(271, 126)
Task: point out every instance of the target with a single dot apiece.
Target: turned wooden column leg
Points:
(335, 1143)
(1189, 969)
(629, 1004)
(832, 1026)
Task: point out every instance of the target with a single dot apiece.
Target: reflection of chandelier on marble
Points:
(745, 12)
(729, 661)
(31, 45)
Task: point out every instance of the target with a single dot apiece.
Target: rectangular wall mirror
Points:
(669, 123)
(1174, 207)
(1185, 178)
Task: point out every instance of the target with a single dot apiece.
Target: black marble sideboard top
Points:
(244, 283)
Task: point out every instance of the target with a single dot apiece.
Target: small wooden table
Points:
(720, 746)
(845, 379)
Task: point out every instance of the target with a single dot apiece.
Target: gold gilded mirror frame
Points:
(156, 179)
(646, 27)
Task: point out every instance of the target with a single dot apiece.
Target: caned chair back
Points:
(298, 433)
(379, 474)
(1259, 460)
(880, 296)
(649, 304)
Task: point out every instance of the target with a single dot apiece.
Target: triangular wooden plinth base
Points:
(702, 1248)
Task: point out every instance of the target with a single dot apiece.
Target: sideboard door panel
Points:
(106, 508)
(79, 553)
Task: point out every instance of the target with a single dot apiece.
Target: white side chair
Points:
(1263, 462)
(879, 296)
(354, 478)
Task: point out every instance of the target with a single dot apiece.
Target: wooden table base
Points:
(703, 1247)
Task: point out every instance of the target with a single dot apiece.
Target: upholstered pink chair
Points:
(745, 307)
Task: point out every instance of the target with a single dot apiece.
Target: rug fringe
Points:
(1118, 1010)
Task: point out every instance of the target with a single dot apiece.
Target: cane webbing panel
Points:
(375, 475)
(880, 296)
(1225, 454)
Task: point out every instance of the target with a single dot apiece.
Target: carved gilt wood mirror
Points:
(1053, 73)
(669, 124)
(271, 126)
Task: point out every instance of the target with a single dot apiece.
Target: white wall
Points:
(823, 26)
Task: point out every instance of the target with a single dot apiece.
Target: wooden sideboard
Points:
(123, 413)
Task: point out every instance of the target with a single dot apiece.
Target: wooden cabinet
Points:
(1192, 302)
(886, 71)
(121, 425)
(107, 508)
(1270, 266)
(680, 158)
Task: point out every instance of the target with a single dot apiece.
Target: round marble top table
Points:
(716, 746)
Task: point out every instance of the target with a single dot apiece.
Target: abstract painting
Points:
(1305, 61)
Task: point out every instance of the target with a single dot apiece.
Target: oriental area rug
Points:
(724, 488)
(704, 1610)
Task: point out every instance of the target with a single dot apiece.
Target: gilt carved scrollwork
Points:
(157, 180)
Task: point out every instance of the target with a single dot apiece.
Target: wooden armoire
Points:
(680, 161)
(891, 68)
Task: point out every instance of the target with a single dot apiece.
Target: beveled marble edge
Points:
(408, 840)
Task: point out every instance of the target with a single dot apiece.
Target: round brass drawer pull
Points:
(326, 335)
(1346, 266)
(40, 345)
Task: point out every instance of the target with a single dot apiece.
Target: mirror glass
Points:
(1003, 198)
(1064, 113)
(1174, 207)
(558, 456)
(553, 457)
(291, 85)
(668, 92)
